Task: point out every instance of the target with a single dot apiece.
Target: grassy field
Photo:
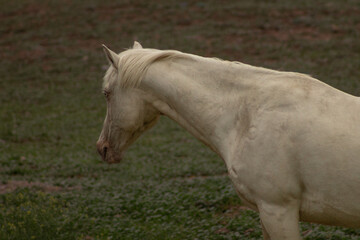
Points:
(52, 182)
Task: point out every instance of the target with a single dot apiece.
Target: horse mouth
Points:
(107, 154)
(112, 158)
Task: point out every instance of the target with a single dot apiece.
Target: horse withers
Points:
(291, 143)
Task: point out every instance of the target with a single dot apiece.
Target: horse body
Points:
(291, 143)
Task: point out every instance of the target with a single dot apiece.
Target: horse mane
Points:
(134, 63)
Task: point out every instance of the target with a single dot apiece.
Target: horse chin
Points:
(113, 158)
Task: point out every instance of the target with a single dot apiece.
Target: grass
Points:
(53, 185)
(26, 214)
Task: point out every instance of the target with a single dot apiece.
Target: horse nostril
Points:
(104, 152)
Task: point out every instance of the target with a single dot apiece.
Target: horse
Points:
(291, 143)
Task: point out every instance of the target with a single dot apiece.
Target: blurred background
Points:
(52, 182)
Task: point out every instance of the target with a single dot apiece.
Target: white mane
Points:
(133, 65)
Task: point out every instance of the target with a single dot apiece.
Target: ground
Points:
(169, 186)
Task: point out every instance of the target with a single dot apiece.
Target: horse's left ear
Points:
(137, 45)
(112, 57)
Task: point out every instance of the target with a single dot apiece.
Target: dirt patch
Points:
(11, 186)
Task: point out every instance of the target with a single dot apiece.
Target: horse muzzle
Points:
(107, 155)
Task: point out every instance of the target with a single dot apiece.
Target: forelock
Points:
(110, 77)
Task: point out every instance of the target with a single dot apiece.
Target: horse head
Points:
(128, 114)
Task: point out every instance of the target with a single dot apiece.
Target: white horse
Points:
(291, 143)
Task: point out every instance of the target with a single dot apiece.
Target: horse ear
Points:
(112, 57)
(137, 45)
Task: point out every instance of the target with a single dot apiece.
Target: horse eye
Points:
(106, 93)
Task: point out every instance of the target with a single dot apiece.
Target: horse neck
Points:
(199, 94)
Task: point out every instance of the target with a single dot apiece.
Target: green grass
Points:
(169, 186)
(26, 214)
